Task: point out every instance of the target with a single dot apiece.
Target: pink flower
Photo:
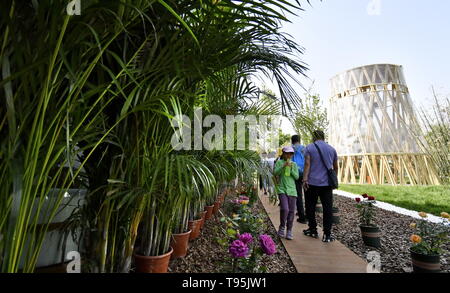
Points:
(244, 198)
(267, 244)
(357, 199)
(246, 238)
(238, 249)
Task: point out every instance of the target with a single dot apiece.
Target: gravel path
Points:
(395, 257)
(206, 255)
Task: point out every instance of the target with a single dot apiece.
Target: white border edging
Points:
(392, 208)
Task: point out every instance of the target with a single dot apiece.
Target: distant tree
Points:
(284, 138)
(311, 116)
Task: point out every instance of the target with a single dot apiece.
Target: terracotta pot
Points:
(194, 226)
(152, 264)
(201, 223)
(179, 244)
(423, 263)
(209, 212)
(203, 219)
(216, 207)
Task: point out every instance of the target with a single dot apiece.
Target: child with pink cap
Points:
(287, 172)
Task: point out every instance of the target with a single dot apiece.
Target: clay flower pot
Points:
(423, 263)
(209, 212)
(203, 219)
(152, 264)
(194, 226)
(216, 207)
(179, 244)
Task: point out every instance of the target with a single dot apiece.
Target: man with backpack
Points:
(299, 159)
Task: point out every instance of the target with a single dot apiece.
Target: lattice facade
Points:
(371, 121)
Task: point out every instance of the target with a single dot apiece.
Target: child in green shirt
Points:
(287, 172)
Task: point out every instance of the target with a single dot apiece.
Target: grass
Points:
(430, 199)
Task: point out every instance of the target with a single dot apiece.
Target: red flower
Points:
(357, 199)
(371, 198)
(365, 195)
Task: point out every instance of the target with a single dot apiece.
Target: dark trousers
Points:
(300, 209)
(326, 198)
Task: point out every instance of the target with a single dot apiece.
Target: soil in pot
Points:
(371, 235)
(152, 264)
(180, 243)
(423, 263)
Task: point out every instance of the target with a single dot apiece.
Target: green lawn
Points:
(430, 199)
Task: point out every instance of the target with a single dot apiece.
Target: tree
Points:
(311, 116)
(284, 138)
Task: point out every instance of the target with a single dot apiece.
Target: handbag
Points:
(332, 177)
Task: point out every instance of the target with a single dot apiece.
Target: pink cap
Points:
(288, 149)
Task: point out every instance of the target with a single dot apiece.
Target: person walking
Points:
(287, 172)
(319, 158)
(299, 159)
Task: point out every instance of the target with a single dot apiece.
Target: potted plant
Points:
(209, 208)
(216, 207)
(154, 252)
(195, 219)
(427, 241)
(203, 217)
(209, 211)
(370, 232)
(181, 232)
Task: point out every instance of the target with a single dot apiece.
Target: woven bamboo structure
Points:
(371, 120)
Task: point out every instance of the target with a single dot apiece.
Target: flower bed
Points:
(206, 254)
(395, 239)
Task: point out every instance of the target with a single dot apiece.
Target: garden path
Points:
(311, 255)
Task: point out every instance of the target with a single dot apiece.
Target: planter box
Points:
(52, 252)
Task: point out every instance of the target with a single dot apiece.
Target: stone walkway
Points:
(311, 255)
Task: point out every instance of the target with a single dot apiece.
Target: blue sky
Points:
(340, 34)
